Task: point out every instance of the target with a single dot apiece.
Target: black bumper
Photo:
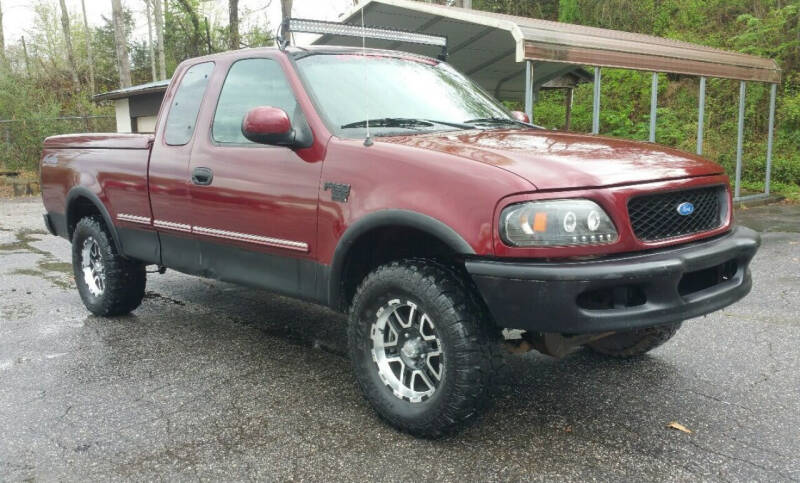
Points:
(619, 293)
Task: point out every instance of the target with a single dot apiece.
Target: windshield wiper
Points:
(496, 120)
(404, 122)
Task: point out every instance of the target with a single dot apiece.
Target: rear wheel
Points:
(634, 342)
(108, 283)
(423, 354)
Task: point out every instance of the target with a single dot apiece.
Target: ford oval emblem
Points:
(685, 208)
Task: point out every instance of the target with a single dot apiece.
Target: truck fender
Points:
(386, 218)
(82, 192)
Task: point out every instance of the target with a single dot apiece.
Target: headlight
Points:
(556, 223)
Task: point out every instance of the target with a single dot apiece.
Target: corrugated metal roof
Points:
(489, 46)
(150, 87)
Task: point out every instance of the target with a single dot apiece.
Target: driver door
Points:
(254, 207)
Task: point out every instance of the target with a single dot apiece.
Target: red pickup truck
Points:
(390, 187)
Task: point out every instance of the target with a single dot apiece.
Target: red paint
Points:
(265, 120)
(259, 190)
(461, 178)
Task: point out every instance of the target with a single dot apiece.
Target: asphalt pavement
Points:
(211, 381)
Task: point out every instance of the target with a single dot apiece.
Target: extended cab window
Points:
(186, 104)
(250, 83)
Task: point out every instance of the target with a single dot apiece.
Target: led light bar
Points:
(335, 28)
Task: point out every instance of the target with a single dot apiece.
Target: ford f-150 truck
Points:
(390, 187)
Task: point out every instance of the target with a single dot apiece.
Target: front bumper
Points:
(621, 292)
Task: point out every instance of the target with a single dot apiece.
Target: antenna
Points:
(368, 140)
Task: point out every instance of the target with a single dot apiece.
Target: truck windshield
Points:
(397, 95)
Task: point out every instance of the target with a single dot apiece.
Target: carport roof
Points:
(150, 87)
(488, 46)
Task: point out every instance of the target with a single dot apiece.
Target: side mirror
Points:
(520, 116)
(268, 125)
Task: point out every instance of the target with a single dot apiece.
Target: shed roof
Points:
(489, 46)
(148, 88)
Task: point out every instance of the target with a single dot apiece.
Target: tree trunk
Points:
(89, 53)
(121, 43)
(150, 47)
(208, 36)
(68, 42)
(2, 39)
(286, 8)
(159, 21)
(25, 55)
(233, 24)
(195, 27)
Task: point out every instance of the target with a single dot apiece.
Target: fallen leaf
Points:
(679, 427)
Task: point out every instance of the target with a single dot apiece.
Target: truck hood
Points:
(559, 160)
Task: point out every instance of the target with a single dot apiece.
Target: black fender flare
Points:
(83, 192)
(386, 218)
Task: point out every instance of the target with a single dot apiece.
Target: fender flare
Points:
(83, 192)
(386, 218)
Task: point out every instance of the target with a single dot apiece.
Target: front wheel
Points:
(423, 353)
(108, 283)
(635, 342)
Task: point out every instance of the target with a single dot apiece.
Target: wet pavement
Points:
(211, 381)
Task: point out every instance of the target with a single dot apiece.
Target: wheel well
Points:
(80, 207)
(383, 245)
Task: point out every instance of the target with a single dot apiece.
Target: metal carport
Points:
(512, 57)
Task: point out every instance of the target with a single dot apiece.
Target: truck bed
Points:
(99, 141)
(111, 168)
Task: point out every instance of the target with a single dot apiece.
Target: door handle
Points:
(202, 176)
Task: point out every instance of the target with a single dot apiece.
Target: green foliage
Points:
(38, 99)
(767, 28)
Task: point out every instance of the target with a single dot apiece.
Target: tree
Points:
(73, 69)
(121, 44)
(89, 55)
(233, 24)
(194, 45)
(150, 40)
(2, 39)
(158, 13)
(286, 8)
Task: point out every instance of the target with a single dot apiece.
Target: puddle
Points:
(23, 242)
(48, 268)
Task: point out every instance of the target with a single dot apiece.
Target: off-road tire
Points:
(124, 279)
(634, 343)
(469, 343)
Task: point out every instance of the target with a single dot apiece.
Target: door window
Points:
(186, 104)
(251, 83)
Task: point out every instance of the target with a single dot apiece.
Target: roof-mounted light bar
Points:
(322, 27)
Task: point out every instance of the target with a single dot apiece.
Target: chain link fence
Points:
(21, 139)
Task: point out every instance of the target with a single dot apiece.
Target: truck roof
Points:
(299, 52)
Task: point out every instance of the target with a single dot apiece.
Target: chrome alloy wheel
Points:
(94, 272)
(407, 351)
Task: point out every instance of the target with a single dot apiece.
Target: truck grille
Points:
(656, 217)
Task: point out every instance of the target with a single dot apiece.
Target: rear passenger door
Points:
(168, 175)
(256, 217)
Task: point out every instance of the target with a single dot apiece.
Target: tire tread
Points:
(125, 279)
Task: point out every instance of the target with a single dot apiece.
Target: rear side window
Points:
(250, 83)
(186, 104)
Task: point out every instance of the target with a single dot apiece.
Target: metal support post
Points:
(701, 115)
(596, 102)
(772, 94)
(653, 106)
(529, 89)
(740, 140)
